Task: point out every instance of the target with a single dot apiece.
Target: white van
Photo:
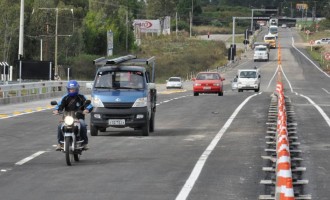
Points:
(261, 53)
(248, 79)
(273, 30)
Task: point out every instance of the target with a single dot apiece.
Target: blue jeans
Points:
(83, 132)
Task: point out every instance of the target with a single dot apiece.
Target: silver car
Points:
(323, 41)
(174, 82)
(234, 84)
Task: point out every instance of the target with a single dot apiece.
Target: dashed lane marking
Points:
(27, 159)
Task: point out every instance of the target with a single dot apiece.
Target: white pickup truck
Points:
(261, 53)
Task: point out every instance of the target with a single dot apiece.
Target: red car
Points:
(208, 82)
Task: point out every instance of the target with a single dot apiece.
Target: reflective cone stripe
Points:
(282, 131)
(283, 151)
(283, 140)
(279, 87)
(287, 191)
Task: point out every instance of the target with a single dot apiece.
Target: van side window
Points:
(147, 77)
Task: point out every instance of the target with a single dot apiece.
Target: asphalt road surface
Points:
(204, 147)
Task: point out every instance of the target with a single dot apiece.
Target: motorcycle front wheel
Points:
(68, 154)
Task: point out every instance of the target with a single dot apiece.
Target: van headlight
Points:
(68, 120)
(140, 102)
(96, 102)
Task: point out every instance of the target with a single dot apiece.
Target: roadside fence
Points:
(28, 91)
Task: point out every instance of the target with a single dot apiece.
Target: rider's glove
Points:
(85, 112)
(55, 112)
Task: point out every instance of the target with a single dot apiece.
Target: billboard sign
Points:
(36, 70)
(148, 26)
(301, 6)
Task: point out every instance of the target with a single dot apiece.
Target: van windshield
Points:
(248, 74)
(273, 30)
(119, 80)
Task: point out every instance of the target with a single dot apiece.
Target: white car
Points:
(323, 41)
(174, 82)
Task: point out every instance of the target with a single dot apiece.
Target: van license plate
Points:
(207, 88)
(116, 122)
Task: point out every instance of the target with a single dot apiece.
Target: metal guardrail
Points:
(23, 92)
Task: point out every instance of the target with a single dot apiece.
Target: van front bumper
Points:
(248, 87)
(119, 118)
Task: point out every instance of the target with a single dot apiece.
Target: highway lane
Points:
(124, 165)
(310, 100)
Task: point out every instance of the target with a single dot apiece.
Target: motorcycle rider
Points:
(72, 101)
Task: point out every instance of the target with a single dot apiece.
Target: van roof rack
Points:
(127, 60)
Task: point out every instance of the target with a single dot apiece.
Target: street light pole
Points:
(56, 39)
(21, 31)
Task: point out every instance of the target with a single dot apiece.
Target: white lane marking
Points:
(271, 80)
(286, 78)
(27, 159)
(325, 116)
(190, 182)
(326, 90)
(309, 59)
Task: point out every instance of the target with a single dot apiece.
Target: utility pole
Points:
(56, 33)
(191, 15)
(314, 11)
(127, 31)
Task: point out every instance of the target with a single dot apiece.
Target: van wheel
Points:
(240, 90)
(146, 128)
(196, 94)
(220, 93)
(94, 131)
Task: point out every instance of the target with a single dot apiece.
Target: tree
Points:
(9, 28)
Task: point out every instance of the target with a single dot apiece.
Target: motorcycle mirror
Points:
(53, 103)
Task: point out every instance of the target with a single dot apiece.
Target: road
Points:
(204, 147)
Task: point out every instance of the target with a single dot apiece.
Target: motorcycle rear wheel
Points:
(68, 155)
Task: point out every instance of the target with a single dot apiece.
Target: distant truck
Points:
(261, 52)
(124, 94)
(271, 40)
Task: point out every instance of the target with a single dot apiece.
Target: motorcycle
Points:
(72, 144)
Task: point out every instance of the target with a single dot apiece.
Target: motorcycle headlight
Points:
(68, 120)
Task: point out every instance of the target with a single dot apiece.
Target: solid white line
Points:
(309, 59)
(271, 80)
(287, 79)
(326, 90)
(190, 182)
(325, 116)
(27, 159)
